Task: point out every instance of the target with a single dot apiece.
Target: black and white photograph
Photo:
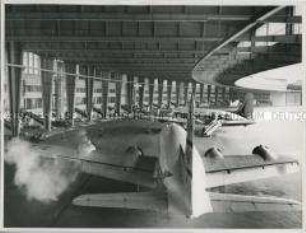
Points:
(152, 115)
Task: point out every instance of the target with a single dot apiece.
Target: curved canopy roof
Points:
(278, 79)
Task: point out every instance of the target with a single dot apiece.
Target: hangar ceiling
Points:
(171, 42)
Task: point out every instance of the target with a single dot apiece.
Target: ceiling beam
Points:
(263, 49)
(141, 65)
(70, 39)
(154, 64)
(105, 51)
(126, 60)
(80, 47)
(284, 19)
(153, 72)
(108, 52)
(161, 69)
(136, 67)
(91, 39)
(122, 17)
(286, 39)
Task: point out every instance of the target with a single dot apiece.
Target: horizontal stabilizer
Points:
(132, 200)
(224, 202)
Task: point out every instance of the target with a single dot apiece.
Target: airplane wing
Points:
(242, 168)
(245, 122)
(152, 200)
(221, 171)
(139, 170)
(225, 202)
(141, 173)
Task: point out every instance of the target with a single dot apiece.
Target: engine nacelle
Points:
(214, 153)
(264, 152)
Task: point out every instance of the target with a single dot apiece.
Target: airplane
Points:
(242, 116)
(176, 174)
(207, 120)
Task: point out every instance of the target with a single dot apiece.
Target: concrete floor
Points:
(20, 212)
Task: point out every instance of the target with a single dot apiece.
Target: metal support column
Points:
(216, 95)
(47, 86)
(2, 78)
(289, 26)
(178, 93)
(193, 90)
(90, 71)
(141, 90)
(118, 93)
(105, 94)
(186, 87)
(151, 94)
(224, 100)
(169, 92)
(160, 92)
(130, 91)
(231, 94)
(208, 93)
(201, 93)
(14, 57)
(58, 91)
(70, 89)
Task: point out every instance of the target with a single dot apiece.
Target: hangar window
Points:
(297, 10)
(31, 63)
(26, 61)
(112, 99)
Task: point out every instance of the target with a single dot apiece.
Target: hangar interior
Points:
(75, 66)
(146, 55)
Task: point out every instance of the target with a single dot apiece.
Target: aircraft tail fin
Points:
(247, 108)
(199, 198)
(188, 180)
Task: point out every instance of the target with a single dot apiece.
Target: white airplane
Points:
(210, 120)
(242, 116)
(217, 120)
(177, 175)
